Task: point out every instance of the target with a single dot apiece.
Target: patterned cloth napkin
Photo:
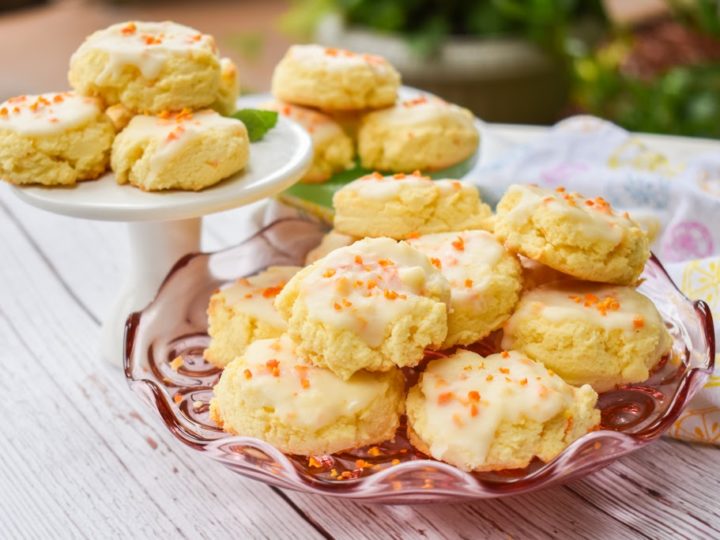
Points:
(677, 202)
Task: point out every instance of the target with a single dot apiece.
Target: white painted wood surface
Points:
(82, 457)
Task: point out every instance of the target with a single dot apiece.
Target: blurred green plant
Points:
(426, 23)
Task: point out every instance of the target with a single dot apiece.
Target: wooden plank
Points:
(75, 445)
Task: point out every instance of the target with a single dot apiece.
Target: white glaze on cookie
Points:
(467, 397)
(365, 287)
(47, 114)
(255, 295)
(143, 45)
(299, 393)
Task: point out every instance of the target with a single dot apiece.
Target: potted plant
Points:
(504, 59)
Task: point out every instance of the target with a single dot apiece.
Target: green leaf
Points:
(257, 122)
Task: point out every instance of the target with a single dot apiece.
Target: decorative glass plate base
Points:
(175, 324)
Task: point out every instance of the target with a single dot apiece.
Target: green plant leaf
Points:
(257, 122)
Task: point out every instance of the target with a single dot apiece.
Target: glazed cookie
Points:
(403, 205)
(149, 67)
(593, 334)
(333, 150)
(334, 79)
(425, 133)
(244, 312)
(581, 237)
(495, 413)
(330, 242)
(229, 89)
(272, 394)
(179, 150)
(373, 305)
(53, 139)
(485, 281)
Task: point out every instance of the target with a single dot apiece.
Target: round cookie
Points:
(272, 394)
(179, 150)
(485, 281)
(495, 413)
(53, 139)
(600, 335)
(581, 237)
(148, 67)
(329, 242)
(334, 79)
(229, 89)
(244, 312)
(373, 305)
(333, 150)
(404, 205)
(424, 133)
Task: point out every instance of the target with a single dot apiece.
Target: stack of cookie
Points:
(160, 85)
(349, 104)
(415, 275)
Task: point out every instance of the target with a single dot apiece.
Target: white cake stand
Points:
(164, 226)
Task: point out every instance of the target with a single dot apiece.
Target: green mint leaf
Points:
(257, 122)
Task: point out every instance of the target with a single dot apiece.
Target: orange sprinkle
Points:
(151, 40)
(330, 272)
(395, 461)
(371, 284)
(271, 292)
(385, 262)
(459, 244)
(524, 381)
(197, 37)
(164, 114)
(3, 111)
(377, 176)
(128, 29)
(248, 374)
(412, 235)
(473, 410)
(362, 464)
(474, 395)
(346, 302)
(416, 172)
(445, 397)
(248, 295)
(177, 398)
(560, 189)
(468, 283)
(312, 462)
(331, 51)
(274, 366)
(575, 298)
(390, 295)
(505, 354)
(399, 176)
(374, 451)
(358, 259)
(504, 370)
(16, 110)
(638, 322)
(489, 378)
(590, 299)
(58, 98)
(337, 306)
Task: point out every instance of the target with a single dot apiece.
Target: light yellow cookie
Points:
(333, 150)
(485, 281)
(148, 67)
(330, 242)
(53, 139)
(179, 150)
(600, 335)
(229, 89)
(495, 413)
(425, 133)
(403, 205)
(373, 305)
(584, 238)
(272, 394)
(244, 312)
(334, 79)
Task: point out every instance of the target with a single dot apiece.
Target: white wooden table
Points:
(81, 456)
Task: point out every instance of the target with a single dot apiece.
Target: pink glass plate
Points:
(175, 324)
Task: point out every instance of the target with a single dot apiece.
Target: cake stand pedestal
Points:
(164, 226)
